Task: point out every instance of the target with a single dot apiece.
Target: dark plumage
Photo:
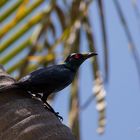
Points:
(47, 80)
(52, 79)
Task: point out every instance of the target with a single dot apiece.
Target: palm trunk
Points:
(24, 118)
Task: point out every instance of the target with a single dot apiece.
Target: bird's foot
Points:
(60, 117)
(48, 106)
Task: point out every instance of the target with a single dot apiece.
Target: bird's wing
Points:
(49, 75)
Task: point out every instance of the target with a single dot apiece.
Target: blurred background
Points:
(102, 102)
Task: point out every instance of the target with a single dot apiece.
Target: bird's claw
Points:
(60, 117)
(46, 105)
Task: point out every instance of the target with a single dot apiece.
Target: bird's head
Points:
(74, 60)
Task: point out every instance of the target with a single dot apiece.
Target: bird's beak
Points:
(90, 54)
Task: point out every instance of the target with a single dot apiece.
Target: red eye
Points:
(77, 56)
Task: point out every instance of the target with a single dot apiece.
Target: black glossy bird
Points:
(53, 78)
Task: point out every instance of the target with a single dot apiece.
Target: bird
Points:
(52, 79)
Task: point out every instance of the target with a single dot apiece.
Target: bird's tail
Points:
(8, 88)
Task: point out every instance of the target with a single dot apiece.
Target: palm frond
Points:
(131, 45)
(105, 45)
(74, 110)
(98, 87)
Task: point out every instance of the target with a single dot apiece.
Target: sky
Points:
(123, 87)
